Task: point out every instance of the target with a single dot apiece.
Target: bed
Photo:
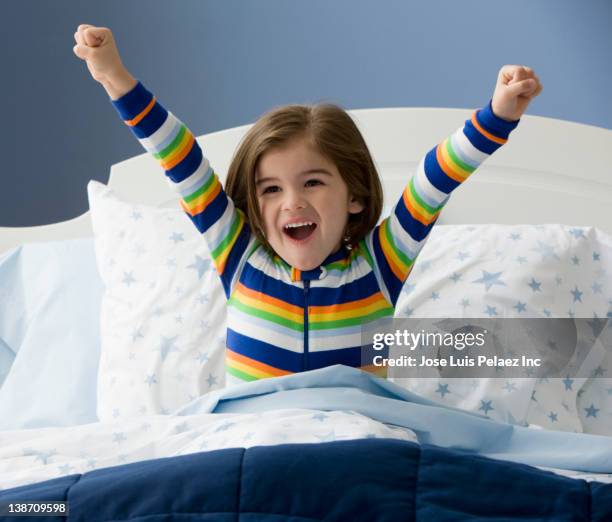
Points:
(118, 439)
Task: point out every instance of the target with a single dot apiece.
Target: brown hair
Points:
(334, 134)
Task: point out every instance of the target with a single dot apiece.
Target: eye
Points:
(267, 189)
(315, 180)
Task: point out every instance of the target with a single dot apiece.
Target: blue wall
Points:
(218, 64)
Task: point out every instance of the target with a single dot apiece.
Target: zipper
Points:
(306, 288)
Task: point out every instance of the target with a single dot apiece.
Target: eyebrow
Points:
(303, 173)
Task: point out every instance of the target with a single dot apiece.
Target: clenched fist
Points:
(516, 86)
(96, 46)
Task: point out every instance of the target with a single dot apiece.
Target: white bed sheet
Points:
(35, 455)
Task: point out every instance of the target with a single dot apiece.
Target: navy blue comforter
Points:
(359, 480)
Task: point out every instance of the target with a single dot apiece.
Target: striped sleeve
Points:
(397, 240)
(189, 173)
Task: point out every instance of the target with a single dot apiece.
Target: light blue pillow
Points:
(9, 294)
(7, 356)
(50, 297)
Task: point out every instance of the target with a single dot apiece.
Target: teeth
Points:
(295, 225)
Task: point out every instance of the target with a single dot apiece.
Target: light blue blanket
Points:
(344, 388)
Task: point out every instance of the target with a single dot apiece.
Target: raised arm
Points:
(189, 173)
(397, 241)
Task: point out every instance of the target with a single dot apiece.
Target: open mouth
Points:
(300, 232)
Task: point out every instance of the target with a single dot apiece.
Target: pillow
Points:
(7, 356)
(163, 314)
(8, 278)
(510, 271)
(49, 314)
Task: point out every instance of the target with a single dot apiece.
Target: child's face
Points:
(297, 184)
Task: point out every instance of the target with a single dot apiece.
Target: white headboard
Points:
(551, 171)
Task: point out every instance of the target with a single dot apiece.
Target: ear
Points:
(355, 206)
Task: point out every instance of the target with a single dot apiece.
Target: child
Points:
(294, 236)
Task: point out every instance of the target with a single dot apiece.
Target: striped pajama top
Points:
(281, 320)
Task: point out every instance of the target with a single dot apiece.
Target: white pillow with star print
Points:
(490, 271)
(162, 320)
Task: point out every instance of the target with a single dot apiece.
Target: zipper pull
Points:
(306, 286)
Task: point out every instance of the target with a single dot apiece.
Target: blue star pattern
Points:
(577, 294)
(546, 251)
(598, 372)
(591, 411)
(167, 346)
(201, 265)
(578, 233)
(211, 381)
(535, 285)
(202, 357)
(442, 389)
(551, 271)
(486, 406)
(176, 237)
(118, 438)
(136, 334)
(128, 278)
(489, 279)
(520, 307)
(490, 311)
(510, 386)
(42, 456)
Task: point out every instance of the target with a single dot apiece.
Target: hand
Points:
(96, 46)
(516, 86)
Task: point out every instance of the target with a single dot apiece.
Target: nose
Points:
(293, 200)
